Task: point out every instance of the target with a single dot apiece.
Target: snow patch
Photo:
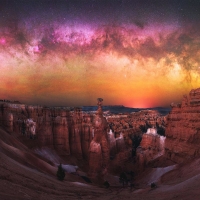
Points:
(162, 142)
(48, 154)
(69, 168)
(120, 137)
(151, 131)
(82, 184)
(158, 172)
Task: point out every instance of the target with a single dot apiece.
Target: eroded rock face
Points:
(30, 128)
(7, 118)
(70, 133)
(87, 136)
(44, 129)
(125, 136)
(75, 136)
(183, 129)
(61, 134)
(33, 122)
(95, 159)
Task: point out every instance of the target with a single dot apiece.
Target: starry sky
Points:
(134, 53)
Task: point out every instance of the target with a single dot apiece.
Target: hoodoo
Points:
(99, 151)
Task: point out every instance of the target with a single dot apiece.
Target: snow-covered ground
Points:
(158, 172)
(49, 154)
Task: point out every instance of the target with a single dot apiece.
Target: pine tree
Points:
(106, 184)
(60, 173)
(23, 128)
(123, 178)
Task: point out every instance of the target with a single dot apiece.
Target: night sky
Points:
(69, 53)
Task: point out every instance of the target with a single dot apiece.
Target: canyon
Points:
(75, 133)
(100, 145)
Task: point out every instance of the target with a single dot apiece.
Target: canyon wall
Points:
(105, 143)
(70, 133)
(183, 129)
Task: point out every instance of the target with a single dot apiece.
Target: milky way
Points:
(136, 53)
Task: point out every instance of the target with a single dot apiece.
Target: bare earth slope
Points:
(181, 183)
(25, 176)
(22, 178)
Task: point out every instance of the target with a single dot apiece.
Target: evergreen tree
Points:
(123, 178)
(153, 185)
(23, 128)
(106, 184)
(60, 173)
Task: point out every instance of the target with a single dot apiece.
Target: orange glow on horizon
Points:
(131, 74)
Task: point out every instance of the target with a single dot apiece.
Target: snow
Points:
(82, 184)
(162, 142)
(48, 154)
(158, 172)
(152, 131)
(111, 138)
(120, 137)
(69, 168)
(31, 126)
(110, 132)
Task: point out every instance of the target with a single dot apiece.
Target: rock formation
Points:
(87, 135)
(70, 133)
(33, 122)
(183, 129)
(61, 133)
(44, 129)
(142, 120)
(104, 143)
(76, 131)
(126, 133)
(99, 151)
(151, 147)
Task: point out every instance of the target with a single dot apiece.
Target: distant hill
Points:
(116, 109)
